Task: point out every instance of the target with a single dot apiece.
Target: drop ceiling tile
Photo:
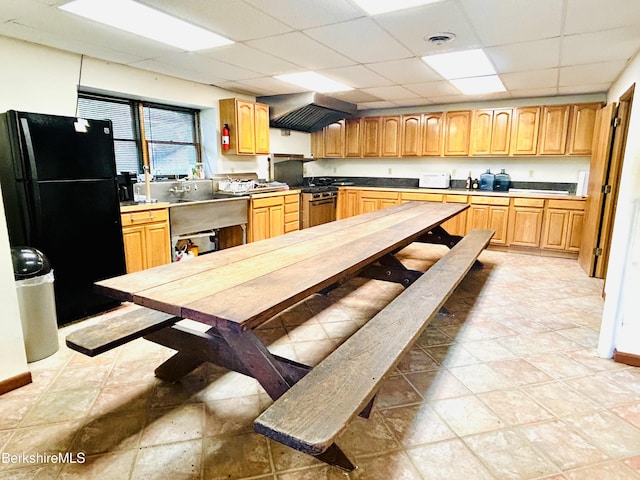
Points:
(618, 44)
(524, 56)
(432, 89)
(357, 76)
(500, 22)
(200, 76)
(361, 40)
(244, 89)
(374, 105)
(591, 74)
(301, 14)
(234, 19)
(413, 102)
(355, 96)
(447, 99)
(580, 89)
(300, 49)
(530, 79)
(408, 70)
(12, 10)
(594, 15)
(242, 55)
(200, 63)
(394, 92)
(411, 26)
(270, 84)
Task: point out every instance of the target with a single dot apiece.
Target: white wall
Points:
(13, 359)
(621, 321)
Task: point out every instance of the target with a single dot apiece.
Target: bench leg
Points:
(440, 236)
(336, 457)
(177, 367)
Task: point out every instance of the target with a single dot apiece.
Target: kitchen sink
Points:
(189, 217)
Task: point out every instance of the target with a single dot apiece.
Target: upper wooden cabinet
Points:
(457, 128)
(352, 134)
(490, 132)
(248, 126)
(524, 131)
(583, 120)
(371, 133)
(553, 129)
(317, 144)
(391, 127)
(521, 131)
(432, 134)
(410, 135)
(334, 140)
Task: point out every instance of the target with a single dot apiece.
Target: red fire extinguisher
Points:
(225, 137)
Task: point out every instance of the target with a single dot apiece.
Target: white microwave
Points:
(434, 180)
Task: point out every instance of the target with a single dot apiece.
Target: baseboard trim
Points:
(15, 382)
(626, 358)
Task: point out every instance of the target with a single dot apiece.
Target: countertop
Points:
(130, 207)
(452, 191)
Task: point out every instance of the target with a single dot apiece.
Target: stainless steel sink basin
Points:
(189, 217)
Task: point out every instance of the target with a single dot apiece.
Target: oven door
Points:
(316, 211)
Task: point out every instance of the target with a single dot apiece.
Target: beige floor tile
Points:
(602, 390)
(467, 415)
(110, 466)
(480, 378)
(175, 424)
(416, 360)
(39, 472)
(110, 433)
(629, 413)
(604, 471)
(447, 460)
(367, 436)
(235, 456)
(519, 371)
(416, 425)
(437, 384)
(514, 407)
(560, 399)
(60, 407)
(609, 433)
(396, 391)
(179, 461)
(394, 465)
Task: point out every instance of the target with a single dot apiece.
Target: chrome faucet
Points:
(182, 186)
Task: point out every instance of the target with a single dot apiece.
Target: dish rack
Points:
(236, 186)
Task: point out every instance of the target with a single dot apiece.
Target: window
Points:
(170, 133)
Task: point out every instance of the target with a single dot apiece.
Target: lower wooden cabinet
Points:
(371, 201)
(563, 225)
(492, 213)
(348, 204)
(273, 215)
(145, 234)
(525, 222)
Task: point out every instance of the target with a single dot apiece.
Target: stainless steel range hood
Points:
(305, 112)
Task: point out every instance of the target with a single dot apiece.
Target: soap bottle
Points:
(469, 182)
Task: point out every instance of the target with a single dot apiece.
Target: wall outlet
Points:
(233, 170)
(335, 169)
(530, 173)
(389, 171)
(453, 172)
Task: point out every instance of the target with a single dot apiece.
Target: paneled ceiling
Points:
(539, 47)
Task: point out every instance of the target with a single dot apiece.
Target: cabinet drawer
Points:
(145, 216)
(294, 198)
(566, 204)
(267, 202)
(291, 207)
(379, 195)
(456, 199)
(490, 200)
(528, 202)
(291, 217)
(424, 197)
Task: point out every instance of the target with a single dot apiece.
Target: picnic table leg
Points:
(441, 237)
(177, 367)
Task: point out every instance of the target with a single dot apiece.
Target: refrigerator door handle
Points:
(32, 177)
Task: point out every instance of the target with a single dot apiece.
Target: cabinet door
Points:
(390, 136)
(478, 217)
(499, 221)
(432, 134)
(553, 132)
(526, 122)
(317, 144)
(371, 136)
(246, 127)
(481, 128)
(456, 133)
(457, 225)
(351, 204)
(134, 248)
(157, 244)
(574, 231)
(583, 121)
(525, 226)
(276, 221)
(555, 229)
(259, 224)
(334, 140)
(501, 132)
(411, 130)
(262, 128)
(368, 204)
(352, 142)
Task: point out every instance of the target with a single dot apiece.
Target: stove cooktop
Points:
(318, 189)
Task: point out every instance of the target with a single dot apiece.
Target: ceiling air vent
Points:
(440, 38)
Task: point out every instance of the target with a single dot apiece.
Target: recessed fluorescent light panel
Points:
(139, 19)
(314, 82)
(478, 85)
(376, 7)
(468, 63)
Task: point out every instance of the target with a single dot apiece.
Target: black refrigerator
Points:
(60, 193)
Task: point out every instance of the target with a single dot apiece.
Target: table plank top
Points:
(244, 286)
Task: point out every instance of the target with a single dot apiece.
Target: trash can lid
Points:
(29, 262)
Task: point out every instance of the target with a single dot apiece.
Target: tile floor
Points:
(505, 386)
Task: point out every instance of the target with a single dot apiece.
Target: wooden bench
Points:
(112, 332)
(316, 410)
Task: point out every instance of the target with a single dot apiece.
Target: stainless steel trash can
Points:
(36, 299)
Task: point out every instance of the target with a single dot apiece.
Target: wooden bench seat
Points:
(316, 410)
(115, 331)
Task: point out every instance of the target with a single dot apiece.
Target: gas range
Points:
(319, 189)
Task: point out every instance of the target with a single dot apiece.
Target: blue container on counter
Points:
(502, 182)
(487, 180)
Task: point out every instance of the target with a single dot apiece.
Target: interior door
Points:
(602, 138)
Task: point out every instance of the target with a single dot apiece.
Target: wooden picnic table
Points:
(234, 291)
